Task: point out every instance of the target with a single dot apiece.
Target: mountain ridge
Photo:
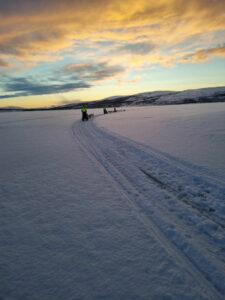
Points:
(202, 95)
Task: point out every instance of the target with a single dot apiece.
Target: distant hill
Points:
(11, 108)
(204, 95)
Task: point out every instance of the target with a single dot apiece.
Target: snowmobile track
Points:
(204, 211)
(178, 170)
(91, 140)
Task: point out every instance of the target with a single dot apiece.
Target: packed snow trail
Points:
(166, 195)
(89, 215)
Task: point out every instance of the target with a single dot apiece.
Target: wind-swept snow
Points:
(87, 214)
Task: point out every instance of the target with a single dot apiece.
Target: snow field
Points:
(88, 214)
(160, 170)
(194, 133)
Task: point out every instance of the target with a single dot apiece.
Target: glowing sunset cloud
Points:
(72, 49)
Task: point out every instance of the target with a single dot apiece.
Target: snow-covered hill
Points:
(171, 97)
(205, 95)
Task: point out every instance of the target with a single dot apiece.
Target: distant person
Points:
(84, 114)
(105, 110)
(115, 109)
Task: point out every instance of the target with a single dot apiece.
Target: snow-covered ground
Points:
(88, 213)
(193, 132)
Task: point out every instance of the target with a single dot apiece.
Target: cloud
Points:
(100, 40)
(122, 82)
(141, 48)
(69, 78)
(142, 31)
(94, 71)
(204, 54)
(65, 102)
(18, 87)
(4, 64)
(34, 45)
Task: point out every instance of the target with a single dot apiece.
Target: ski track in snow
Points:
(179, 205)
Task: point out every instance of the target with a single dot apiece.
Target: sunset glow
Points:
(55, 52)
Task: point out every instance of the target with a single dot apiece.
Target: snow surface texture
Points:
(87, 214)
(193, 132)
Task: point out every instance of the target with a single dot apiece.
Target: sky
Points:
(58, 52)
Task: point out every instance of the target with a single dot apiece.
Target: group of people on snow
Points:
(85, 115)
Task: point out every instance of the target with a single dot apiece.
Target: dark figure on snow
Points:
(105, 110)
(115, 109)
(84, 114)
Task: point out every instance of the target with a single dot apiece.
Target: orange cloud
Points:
(33, 31)
(205, 54)
(4, 64)
(94, 71)
(122, 82)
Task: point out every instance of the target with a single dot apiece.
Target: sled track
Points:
(176, 170)
(118, 159)
(203, 211)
